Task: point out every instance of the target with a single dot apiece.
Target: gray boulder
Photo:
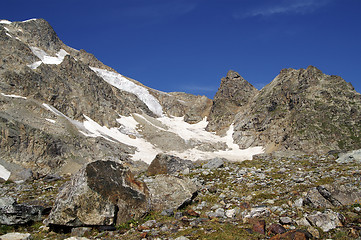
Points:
(12, 213)
(102, 193)
(327, 196)
(168, 164)
(170, 192)
(326, 221)
(16, 236)
(353, 156)
(214, 163)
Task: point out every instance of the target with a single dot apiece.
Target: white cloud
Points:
(285, 7)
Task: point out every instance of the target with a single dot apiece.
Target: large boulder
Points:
(326, 221)
(327, 196)
(12, 213)
(168, 164)
(353, 156)
(170, 192)
(101, 193)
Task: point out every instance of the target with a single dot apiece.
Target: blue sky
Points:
(189, 45)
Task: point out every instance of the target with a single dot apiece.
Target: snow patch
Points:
(9, 35)
(29, 20)
(47, 59)
(13, 96)
(35, 65)
(50, 120)
(188, 131)
(145, 150)
(120, 82)
(5, 22)
(4, 173)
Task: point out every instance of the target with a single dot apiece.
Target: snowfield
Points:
(120, 82)
(129, 133)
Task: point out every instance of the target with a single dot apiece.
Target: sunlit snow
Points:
(32, 19)
(13, 96)
(5, 22)
(4, 173)
(145, 150)
(120, 82)
(50, 120)
(35, 65)
(128, 134)
(45, 58)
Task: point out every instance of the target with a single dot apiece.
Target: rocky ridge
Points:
(303, 110)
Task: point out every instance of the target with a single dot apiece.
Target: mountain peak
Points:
(234, 93)
(233, 75)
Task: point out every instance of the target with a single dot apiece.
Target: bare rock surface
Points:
(12, 213)
(170, 192)
(233, 94)
(303, 110)
(16, 236)
(168, 164)
(102, 193)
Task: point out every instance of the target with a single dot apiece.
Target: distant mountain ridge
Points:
(62, 108)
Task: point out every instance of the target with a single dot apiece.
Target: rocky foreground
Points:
(275, 196)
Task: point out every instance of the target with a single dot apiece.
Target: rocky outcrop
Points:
(12, 213)
(16, 236)
(353, 156)
(214, 163)
(170, 192)
(102, 193)
(233, 94)
(302, 110)
(168, 164)
(326, 196)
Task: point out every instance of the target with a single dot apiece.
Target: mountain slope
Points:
(233, 95)
(62, 108)
(303, 110)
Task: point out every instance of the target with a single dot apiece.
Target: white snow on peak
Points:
(32, 19)
(120, 82)
(5, 22)
(4, 173)
(45, 58)
(13, 96)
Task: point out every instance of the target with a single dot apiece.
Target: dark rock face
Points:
(233, 94)
(102, 193)
(293, 234)
(12, 213)
(302, 110)
(168, 164)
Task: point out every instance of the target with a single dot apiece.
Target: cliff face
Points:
(232, 96)
(302, 110)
